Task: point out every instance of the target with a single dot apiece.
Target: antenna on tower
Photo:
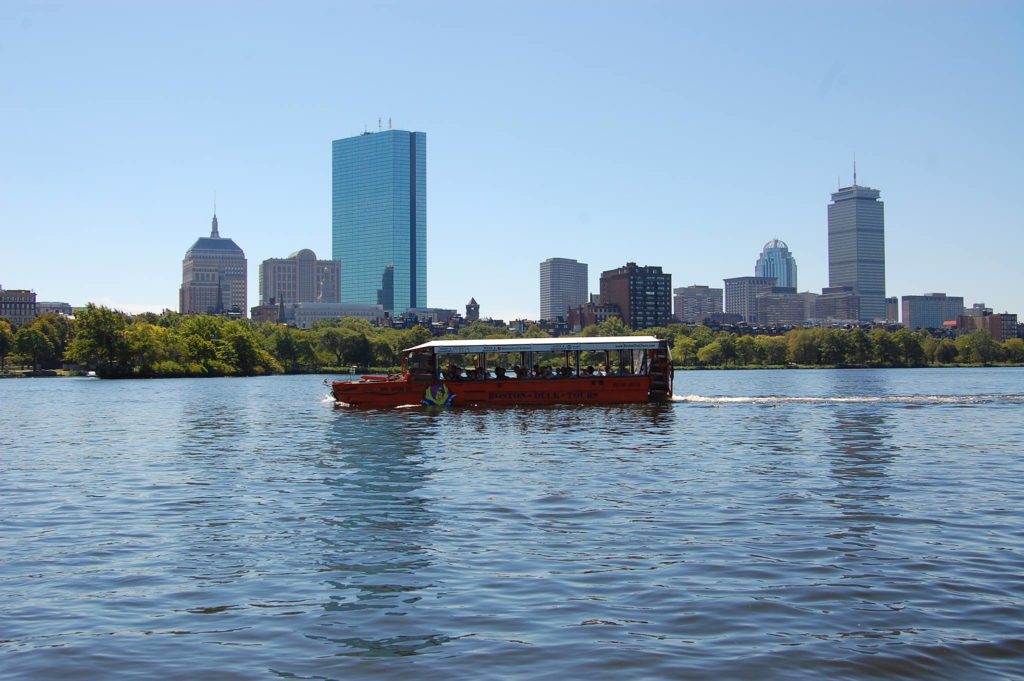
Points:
(855, 170)
(378, 125)
(389, 122)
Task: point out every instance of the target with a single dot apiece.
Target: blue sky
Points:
(677, 134)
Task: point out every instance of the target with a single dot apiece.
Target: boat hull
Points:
(375, 394)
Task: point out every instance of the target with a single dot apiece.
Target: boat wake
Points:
(774, 400)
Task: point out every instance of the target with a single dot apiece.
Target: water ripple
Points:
(231, 528)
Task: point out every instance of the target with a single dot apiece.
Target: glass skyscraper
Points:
(856, 247)
(379, 218)
(776, 261)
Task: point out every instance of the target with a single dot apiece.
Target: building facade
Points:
(931, 310)
(563, 285)
(18, 306)
(589, 313)
(777, 262)
(837, 304)
(472, 311)
(781, 306)
(693, 304)
(741, 295)
(54, 306)
(1002, 327)
(300, 278)
(856, 247)
(892, 310)
(642, 294)
(214, 277)
(379, 218)
(305, 315)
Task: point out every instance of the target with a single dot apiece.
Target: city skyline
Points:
(583, 142)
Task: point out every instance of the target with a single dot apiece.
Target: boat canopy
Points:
(493, 345)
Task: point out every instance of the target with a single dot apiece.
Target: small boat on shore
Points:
(520, 371)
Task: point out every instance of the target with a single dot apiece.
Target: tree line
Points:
(117, 345)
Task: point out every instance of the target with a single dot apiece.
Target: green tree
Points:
(240, 348)
(284, 343)
(885, 350)
(746, 350)
(100, 341)
(6, 344)
(831, 345)
(772, 349)
(712, 354)
(978, 347)
(534, 331)
(57, 329)
(702, 335)
(478, 330)
(684, 352)
(803, 348)
(151, 346)
(911, 353)
(613, 326)
(33, 344)
(858, 347)
(346, 345)
(1014, 350)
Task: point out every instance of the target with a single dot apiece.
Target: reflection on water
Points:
(373, 530)
(774, 524)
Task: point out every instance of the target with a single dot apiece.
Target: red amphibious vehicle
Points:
(520, 371)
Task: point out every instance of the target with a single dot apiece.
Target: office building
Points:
(213, 277)
(693, 304)
(741, 295)
(642, 294)
(838, 304)
(781, 306)
(563, 285)
(591, 313)
(54, 306)
(305, 315)
(856, 247)
(931, 311)
(892, 310)
(17, 306)
(778, 263)
(1002, 327)
(379, 218)
(300, 278)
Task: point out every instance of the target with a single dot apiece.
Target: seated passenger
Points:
(589, 371)
(499, 372)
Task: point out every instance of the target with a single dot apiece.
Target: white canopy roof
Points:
(451, 347)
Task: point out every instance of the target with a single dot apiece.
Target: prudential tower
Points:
(856, 246)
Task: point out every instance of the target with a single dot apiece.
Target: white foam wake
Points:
(852, 399)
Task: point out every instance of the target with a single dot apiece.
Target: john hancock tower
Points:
(379, 218)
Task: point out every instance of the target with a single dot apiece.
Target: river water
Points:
(766, 524)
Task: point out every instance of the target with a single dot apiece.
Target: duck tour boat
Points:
(519, 371)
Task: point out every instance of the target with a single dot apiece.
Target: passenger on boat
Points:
(517, 370)
(499, 372)
(589, 371)
(537, 373)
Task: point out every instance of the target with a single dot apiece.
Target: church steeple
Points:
(214, 234)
